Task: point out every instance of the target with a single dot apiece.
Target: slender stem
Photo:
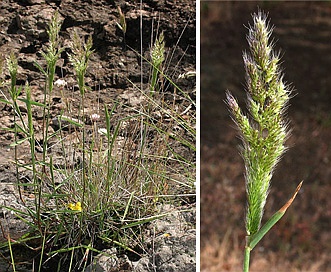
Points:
(247, 255)
(37, 187)
(11, 253)
(84, 181)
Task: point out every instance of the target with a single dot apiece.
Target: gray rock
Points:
(34, 21)
(108, 261)
(36, 2)
(173, 248)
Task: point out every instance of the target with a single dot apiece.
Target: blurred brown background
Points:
(301, 241)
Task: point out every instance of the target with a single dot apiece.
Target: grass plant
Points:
(264, 130)
(157, 56)
(112, 175)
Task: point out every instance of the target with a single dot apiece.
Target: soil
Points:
(301, 240)
(115, 72)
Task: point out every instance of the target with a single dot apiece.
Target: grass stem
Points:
(247, 256)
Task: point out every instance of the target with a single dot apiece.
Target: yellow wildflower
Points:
(75, 207)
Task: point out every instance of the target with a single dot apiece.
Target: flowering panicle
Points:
(264, 129)
(81, 53)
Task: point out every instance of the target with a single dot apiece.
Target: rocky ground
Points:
(114, 72)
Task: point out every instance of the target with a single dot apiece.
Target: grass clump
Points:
(264, 130)
(110, 174)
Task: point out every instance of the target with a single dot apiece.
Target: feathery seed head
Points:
(263, 130)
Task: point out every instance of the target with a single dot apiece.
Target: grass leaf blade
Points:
(273, 220)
